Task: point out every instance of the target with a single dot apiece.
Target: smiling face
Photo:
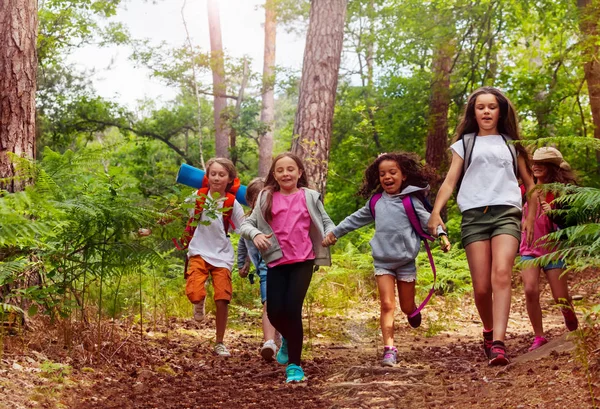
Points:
(487, 114)
(540, 172)
(286, 174)
(218, 178)
(391, 177)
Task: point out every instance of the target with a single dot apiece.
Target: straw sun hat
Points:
(550, 155)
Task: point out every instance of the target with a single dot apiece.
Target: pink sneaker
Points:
(570, 318)
(537, 342)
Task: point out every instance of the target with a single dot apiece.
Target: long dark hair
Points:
(558, 174)
(416, 173)
(271, 184)
(508, 122)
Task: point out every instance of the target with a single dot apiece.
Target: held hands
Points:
(261, 241)
(545, 206)
(245, 269)
(329, 240)
(445, 243)
(435, 220)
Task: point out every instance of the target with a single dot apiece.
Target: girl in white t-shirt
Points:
(489, 199)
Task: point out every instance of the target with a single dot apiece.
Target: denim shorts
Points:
(406, 273)
(551, 266)
(483, 223)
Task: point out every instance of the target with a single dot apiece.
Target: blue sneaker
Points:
(294, 373)
(282, 355)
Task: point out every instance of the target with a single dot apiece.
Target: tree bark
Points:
(316, 100)
(267, 112)
(18, 65)
(218, 72)
(437, 132)
(589, 17)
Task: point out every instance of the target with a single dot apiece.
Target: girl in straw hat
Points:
(548, 167)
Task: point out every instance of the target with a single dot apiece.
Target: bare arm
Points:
(444, 194)
(532, 204)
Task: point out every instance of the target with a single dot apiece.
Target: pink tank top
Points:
(291, 225)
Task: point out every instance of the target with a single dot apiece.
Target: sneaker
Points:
(199, 311)
(294, 373)
(498, 354)
(282, 355)
(221, 350)
(571, 321)
(537, 342)
(488, 338)
(389, 356)
(268, 350)
(415, 321)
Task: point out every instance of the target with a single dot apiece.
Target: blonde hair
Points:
(227, 164)
(253, 189)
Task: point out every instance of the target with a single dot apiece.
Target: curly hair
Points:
(410, 164)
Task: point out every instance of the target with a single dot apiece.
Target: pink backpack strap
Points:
(409, 207)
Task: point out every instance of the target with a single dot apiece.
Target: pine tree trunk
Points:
(316, 101)
(437, 132)
(18, 65)
(218, 72)
(267, 113)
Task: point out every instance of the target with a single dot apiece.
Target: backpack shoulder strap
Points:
(409, 208)
(229, 203)
(372, 202)
(468, 145)
(513, 152)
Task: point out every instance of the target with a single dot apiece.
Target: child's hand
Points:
(144, 232)
(261, 241)
(245, 269)
(435, 220)
(445, 243)
(329, 240)
(545, 206)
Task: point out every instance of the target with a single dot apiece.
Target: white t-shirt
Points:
(211, 243)
(490, 178)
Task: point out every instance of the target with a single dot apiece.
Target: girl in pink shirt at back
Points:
(288, 226)
(548, 167)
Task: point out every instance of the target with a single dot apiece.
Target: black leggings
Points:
(287, 285)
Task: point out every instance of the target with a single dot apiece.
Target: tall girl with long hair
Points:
(490, 201)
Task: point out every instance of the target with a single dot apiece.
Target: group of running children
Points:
(287, 234)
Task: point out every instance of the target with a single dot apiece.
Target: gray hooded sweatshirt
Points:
(395, 242)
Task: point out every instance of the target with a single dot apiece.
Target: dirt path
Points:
(443, 371)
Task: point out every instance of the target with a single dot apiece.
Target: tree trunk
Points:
(218, 72)
(589, 15)
(437, 132)
(267, 112)
(316, 100)
(18, 65)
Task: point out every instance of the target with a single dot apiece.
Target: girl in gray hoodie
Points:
(395, 244)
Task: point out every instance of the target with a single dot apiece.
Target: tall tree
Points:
(18, 66)
(589, 21)
(218, 72)
(267, 112)
(318, 85)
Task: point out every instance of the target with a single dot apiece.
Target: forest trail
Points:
(341, 359)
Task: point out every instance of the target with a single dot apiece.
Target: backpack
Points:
(468, 142)
(190, 228)
(409, 208)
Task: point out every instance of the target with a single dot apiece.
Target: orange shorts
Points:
(196, 276)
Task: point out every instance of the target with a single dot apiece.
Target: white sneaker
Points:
(221, 350)
(268, 350)
(199, 311)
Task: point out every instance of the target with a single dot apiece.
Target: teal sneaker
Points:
(294, 373)
(282, 355)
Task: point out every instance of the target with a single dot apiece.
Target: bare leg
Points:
(531, 284)
(222, 312)
(559, 286)
(479, 256)
(268, 329)
(504, 250)
(406, 294)
(387, 298)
